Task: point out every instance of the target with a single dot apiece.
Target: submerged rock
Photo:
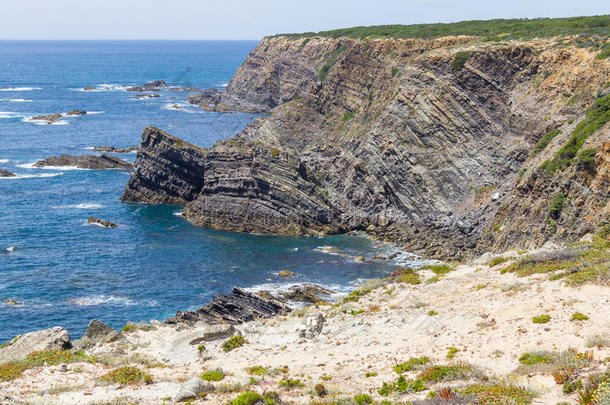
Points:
(115, 150)
(238, 307)
(6, 173)
(192, 389)
(101, 222)
(152, 86)
(86, 162)
(56, 338)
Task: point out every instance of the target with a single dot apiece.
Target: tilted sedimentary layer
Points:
(396, 138)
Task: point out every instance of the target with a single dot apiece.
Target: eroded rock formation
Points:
(101, 162)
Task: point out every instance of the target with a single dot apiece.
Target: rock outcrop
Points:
(390, 137)
(101, 162)
(238, 307)
(115, 150)
(155, 85)
(56, 338)
(101, 222)
(76, 112)
(48, 119)
(6, 173)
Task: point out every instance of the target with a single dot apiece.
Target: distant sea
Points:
(64, 272)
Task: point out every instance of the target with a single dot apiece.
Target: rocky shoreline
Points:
(467, 330)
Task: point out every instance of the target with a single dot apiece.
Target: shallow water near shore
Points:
(64, 272)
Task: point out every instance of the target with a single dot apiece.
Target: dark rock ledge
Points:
(86, 162)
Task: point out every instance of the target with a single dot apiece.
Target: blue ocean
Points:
(60, 270)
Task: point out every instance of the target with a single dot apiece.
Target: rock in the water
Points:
(145, 96)
(286, 273)
(309, 293)
(99, 332)
(6, 173)
(115, 150)
(49, 119)
(101, 222)
(76, 112)
(11, 302)
(237, 307)
(311, 326)
(86, 162)
(359, 259)
(192, 388)
(152, 86)
(89, 88)
(56, 338)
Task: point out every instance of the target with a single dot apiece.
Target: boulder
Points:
(311, 326)
(6, 173)
(56, 338)
(101, 222)
(99, 332)
(192, 388)
(309, 293)
(212, 332)
(286, 273)
(86, 162)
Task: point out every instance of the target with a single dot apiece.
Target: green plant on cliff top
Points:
(213, 375)
(597, 116)
(411, 364)
(126, 375)
(11, 370)
(498, 393)
(401, 386)
(499, 29)
(544, 318)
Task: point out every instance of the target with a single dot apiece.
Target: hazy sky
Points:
(251, 19)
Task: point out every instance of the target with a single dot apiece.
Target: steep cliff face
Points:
(423, 142)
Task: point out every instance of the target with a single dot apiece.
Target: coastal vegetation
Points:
(490, 30)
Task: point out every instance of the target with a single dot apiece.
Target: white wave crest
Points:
(31, 176)
(92, 300)
(82, 206)
(13, 115)
(224, 85)
(4, 160)
(10, 249)
(16, 100)
(65, 168)
(20, 88)
(104, 87)
(178, 213)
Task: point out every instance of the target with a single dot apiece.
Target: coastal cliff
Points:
(425, 142)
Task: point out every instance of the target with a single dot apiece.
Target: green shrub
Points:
(438, 269)
(54, 357)
(128, 328)
(495, 394)
(275, 152)
(325, 70)
(362, 399)
(572, 386)
(541, 318)
(587, 156)
(233, 343)
(452, 352)
(201, 348)
(252, 398)
(603, 54)
(411, 364)
(435, 374)
(432, 313)
(347, 116)
(498, 260)
(256, 370)
(579, 316)
(401, 386)
(371, 374)
(459, 60)
(127, 375)
(534, 358)
(289, 383)
(213, 375)
(11, 370)
(596, 117)
(556, 205)
(544, 141)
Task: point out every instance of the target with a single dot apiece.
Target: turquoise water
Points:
(65, 272)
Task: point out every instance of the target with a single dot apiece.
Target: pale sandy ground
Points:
(394, 327)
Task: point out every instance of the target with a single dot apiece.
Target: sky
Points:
(251, 19)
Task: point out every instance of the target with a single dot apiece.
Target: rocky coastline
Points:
(102, 162)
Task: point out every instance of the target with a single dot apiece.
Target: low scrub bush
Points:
(411, 364)
(436, 374)
(127, 375)
(401, 386)
(459, 60)
(233, 343)
(544, 318)
(213, 375)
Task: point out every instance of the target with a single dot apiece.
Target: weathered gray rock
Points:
(99, 332)
(49, 119)
(56, 338)
(192, 388)
(86, 162)
(101, 222)
(6, 173)
(311, 326)
(309, 293)
(212, 332)
(76, 112)
(238, 307)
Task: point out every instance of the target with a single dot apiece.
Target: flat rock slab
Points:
(86, 162)
(192, 388)
(56, 338)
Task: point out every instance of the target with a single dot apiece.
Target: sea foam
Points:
(20, 88)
